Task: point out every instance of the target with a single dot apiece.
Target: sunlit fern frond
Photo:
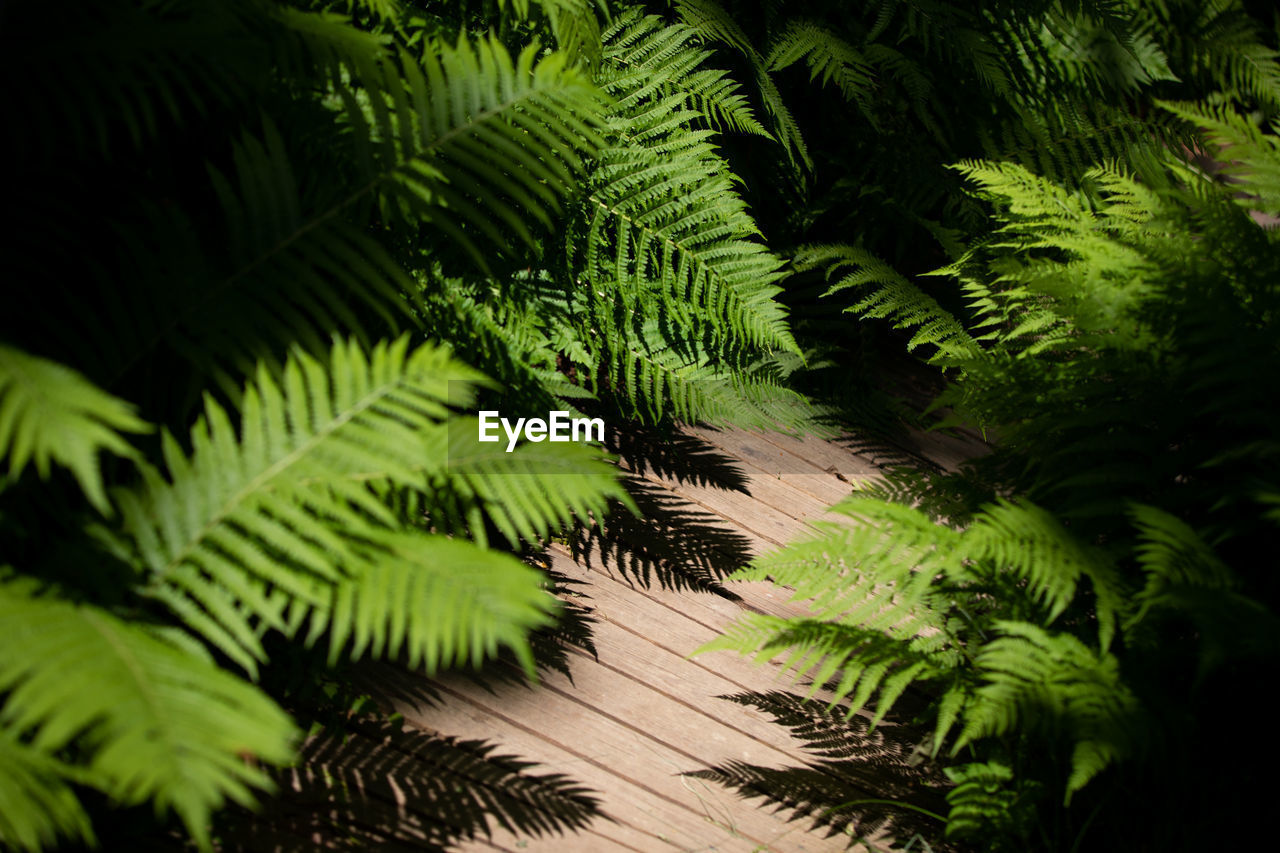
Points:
(273, 510)
(433, 602)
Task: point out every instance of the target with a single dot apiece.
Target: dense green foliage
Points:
(1080, 609)
(267, 256)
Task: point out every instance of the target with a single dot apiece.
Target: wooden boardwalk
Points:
(630, 714)
(629, 721)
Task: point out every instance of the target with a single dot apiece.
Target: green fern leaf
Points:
(890, 296)
(37, 803)
(435, 602)
(538, 488)
(476, 144)
(713, 22)
(152, 721)
(1035, 678)
(1029, 542)
(50, 413)
(278, 512)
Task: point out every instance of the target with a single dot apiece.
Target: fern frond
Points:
(680, 295)
(1097, 57)
(1094, 283)
(151, 720)
(276, 512)
(528, 493)
(1254, 154)
(38, 806)
(434, 602)
(891, 297)
(1036, 678)
(664, 213)
(710, 20)
(984, 796)
(886, 558)
(829, 57)
(1030, 543)
(476, 143)
(856, 664)
(1172, 553)
(49, 413)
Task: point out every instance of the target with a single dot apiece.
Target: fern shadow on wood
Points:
(375, 786)
(863, 783)
(670, 541)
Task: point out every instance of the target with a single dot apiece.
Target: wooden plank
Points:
(758, 453)
(586, 841)
(948, 451)
(632, 655)
(645, 738)
(713, 611)
(636, 816)
(842, 464)
(765, 526)
(631, 720)
(680, 623)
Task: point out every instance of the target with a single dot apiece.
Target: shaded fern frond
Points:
(985, 796)
(1030, 543)
(1254, 154)
(712, 22)
(890, 296)
(1034, 678)
(50, 413)
(38, 806)
(829, 57)
(150, 720)
(474, 142)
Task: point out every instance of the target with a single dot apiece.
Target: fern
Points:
(38, 806)
(285, 518)
(491, 140)
(984, 798)
(152, 720)
(829, 57)
(898, 600)
(433, 603)
(49, 413)
(1038, 679)
(282, 176)
(892, 297)
(680, 293)
(713, 22)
